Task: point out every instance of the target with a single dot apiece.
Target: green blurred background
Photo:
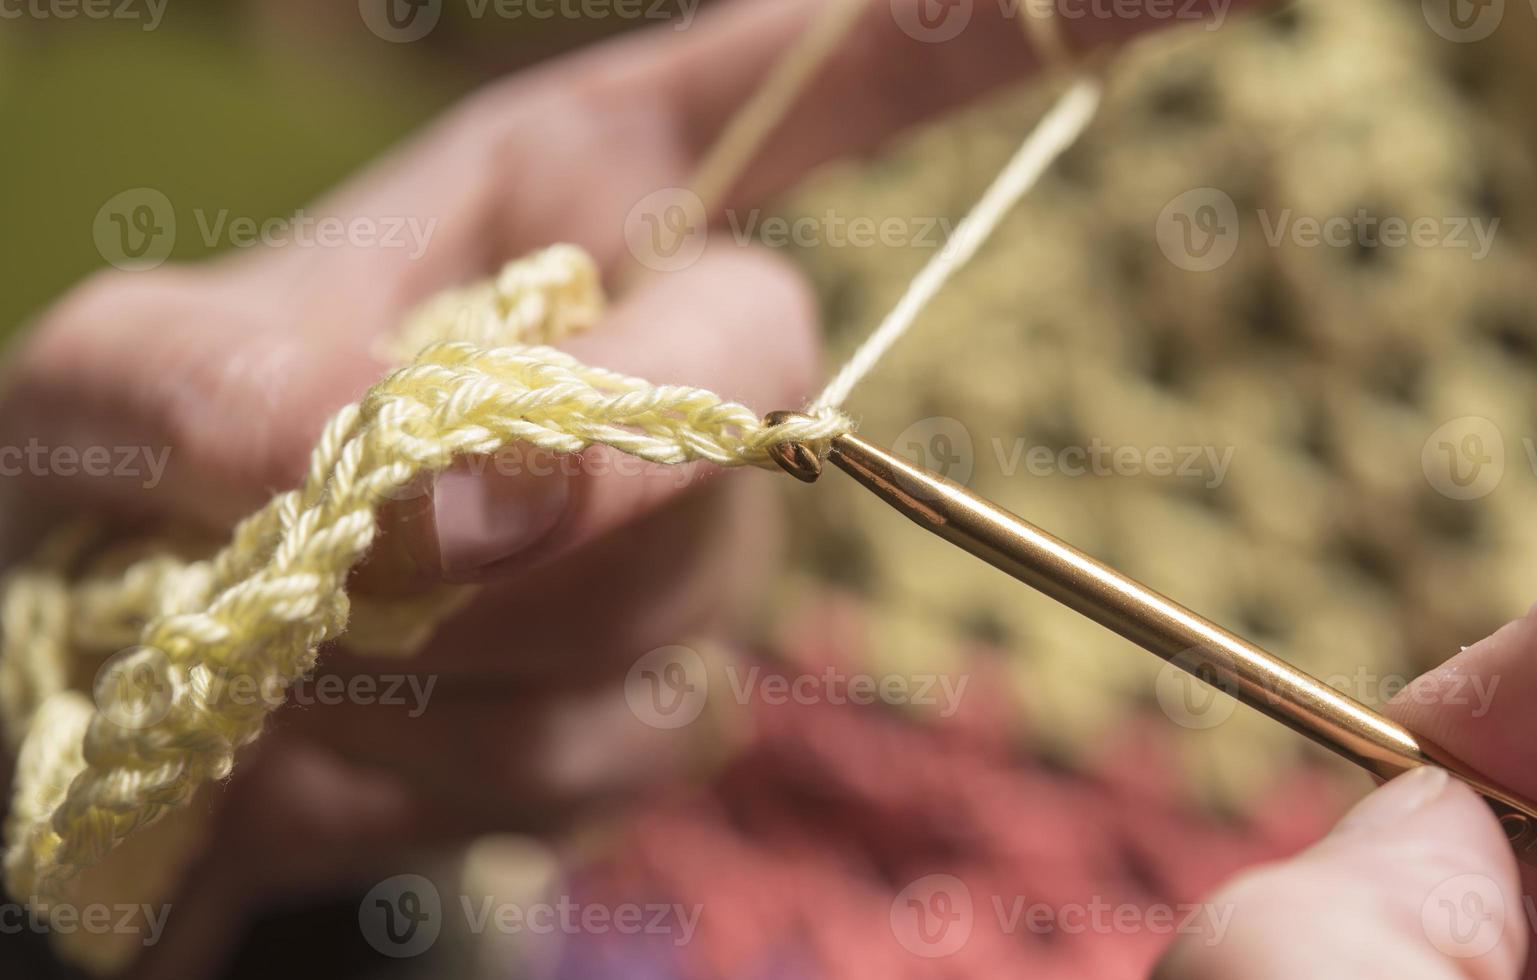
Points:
(255, 106)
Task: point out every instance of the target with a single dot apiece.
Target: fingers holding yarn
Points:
(739, 323)
(697, 564)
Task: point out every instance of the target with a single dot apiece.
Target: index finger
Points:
(902, 61)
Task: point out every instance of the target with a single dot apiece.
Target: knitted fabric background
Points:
(1319, 374)
(1347, 437)
(1308, 409)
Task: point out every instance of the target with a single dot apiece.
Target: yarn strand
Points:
(1051, 137)
(480, 375)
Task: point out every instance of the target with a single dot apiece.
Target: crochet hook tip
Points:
(795, 458)
(1187, 641)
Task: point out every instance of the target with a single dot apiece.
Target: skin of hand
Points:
(1417, 881)
(236, 364)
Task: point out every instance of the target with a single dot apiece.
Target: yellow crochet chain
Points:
(162, 724)
(93, 771)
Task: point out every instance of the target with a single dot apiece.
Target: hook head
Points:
(795, 458)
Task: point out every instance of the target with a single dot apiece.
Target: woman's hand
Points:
(236, 364)
(1417, 880)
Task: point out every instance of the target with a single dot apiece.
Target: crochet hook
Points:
(1163, 627)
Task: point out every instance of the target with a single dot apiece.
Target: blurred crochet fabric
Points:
(1307, 388)
(1150, 364)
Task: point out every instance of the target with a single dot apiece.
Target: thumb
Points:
(741, 322)
(1415, 882)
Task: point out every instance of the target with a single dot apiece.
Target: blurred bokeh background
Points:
(1328, 409)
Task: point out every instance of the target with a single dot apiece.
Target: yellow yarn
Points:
(162, 724)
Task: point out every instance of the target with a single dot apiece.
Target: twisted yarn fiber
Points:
(162, 722)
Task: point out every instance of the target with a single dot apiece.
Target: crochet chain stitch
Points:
(483, 377)
(90, 774)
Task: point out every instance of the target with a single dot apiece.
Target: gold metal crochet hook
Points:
(1202, 648)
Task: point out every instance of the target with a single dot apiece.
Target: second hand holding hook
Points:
(1188, 641)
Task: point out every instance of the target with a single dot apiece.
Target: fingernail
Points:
(1399, 799)
(489, 516)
